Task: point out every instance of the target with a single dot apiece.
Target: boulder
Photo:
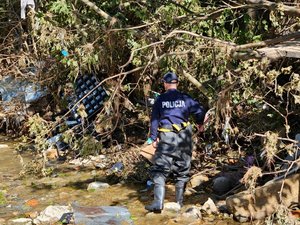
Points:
(265, 200)
(51, 214)
(198, 179)
(20, 221)
(172, 206)
(209, 207)
(193, 212)
(97, 185)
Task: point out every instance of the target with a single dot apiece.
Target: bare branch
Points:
(267, 42)
(289, 10)
(105, 15)
(194, 81)
(216, 41)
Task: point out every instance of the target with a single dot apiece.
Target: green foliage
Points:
(62, 10)
(83, 146)
(38, 129)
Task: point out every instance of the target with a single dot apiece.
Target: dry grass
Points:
(270, 146)
(251, 176)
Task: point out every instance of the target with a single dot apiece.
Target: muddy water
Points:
(27, 197)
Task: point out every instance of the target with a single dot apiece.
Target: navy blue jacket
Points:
(174, 107)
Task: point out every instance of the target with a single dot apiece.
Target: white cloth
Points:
(24, 4)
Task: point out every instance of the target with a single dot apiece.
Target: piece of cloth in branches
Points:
(24, 4)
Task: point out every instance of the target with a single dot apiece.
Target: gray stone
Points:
(209, 207)
(51, 214)
(193, 212)
(198, 179)
(20, 221)
(172, 206)
(97, 185)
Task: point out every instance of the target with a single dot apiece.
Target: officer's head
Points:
(170, 80)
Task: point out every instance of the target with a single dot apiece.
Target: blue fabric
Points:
(174, 107)
(64, 53)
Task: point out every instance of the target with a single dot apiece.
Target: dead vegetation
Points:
(254, 99)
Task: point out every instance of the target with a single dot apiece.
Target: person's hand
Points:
(201, 127)
(154, 144)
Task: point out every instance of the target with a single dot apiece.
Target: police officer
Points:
(171, 134)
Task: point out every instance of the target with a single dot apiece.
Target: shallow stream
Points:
(27, 197)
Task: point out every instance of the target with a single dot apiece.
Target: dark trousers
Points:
(173, 155)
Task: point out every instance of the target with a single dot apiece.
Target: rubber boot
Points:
(158, 203)
(179, 191)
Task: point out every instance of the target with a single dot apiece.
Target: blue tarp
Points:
(23, 90)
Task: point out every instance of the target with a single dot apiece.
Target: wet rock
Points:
(193, 212)
(172, 206)
(265, 199)
(51, 214)
(144, 198)
(20, 221)
(221, 205)
(209, 207)
(3, 146)
(198, 179)
(97, 185)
